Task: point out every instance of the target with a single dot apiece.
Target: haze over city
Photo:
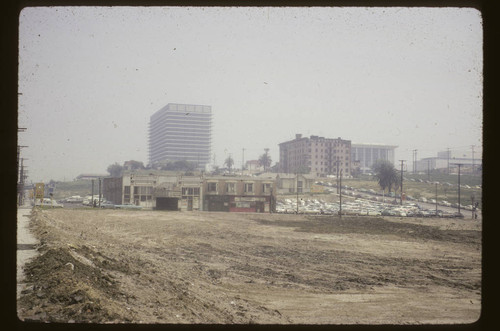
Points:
(91, 77)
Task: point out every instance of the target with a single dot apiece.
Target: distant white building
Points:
(450, 159)
(367, 154)
(181, 132)
(253, 165)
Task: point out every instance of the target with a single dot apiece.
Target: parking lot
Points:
(367, 202)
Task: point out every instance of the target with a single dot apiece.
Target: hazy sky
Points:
(91, 77)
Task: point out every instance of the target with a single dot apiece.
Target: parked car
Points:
(127, 206)
(48, 203)
(107, 205)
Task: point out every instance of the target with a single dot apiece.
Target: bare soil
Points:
(109, 266)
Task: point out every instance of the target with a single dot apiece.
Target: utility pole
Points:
(20, 172)
(297, 190)
(459, 166)
(448, 155)
(340, 196)
(243, 160)
(414, 161)
(436, 198)
(271, 202)
(92, 203)
(337, 169)
(100, 192)
(429, 170)
(472, 159)
(401, 195)
(21, 184)
(473, 206)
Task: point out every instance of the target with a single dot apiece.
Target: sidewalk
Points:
(25, 245)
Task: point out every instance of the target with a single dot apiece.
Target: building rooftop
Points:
(372, 145)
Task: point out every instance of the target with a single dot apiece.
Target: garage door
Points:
(167, 203)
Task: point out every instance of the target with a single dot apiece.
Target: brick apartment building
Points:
(316, 155)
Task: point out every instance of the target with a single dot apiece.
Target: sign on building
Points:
(39, 190)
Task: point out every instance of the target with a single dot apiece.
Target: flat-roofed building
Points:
(181, 132)
(368, 154)
(169, 190)
(239, 194)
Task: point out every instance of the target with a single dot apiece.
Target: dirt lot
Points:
(109, 266)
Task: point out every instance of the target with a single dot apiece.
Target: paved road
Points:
(467, 213)
(25, 245)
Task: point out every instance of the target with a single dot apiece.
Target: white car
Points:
(48, 203)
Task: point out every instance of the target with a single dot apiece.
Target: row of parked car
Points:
(86, 201)
(393, 198)
(358, 207)
(104, 204)
(445, 183)
(110, 205)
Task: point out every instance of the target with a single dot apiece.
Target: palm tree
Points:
(265, 159)
(229, 162)
(386, 174)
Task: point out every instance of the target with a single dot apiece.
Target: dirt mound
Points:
(65, 289)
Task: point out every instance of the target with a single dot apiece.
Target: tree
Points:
(135, 164)
(216, 170)
(265, 159)
(386, 174)
(115, 170)
(180, 165)
(229, 162)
